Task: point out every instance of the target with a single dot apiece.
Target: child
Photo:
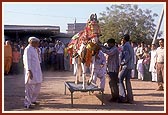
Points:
(140, 69)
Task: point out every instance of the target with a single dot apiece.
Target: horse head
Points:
(92, 29)
(93, 17)
(90, 35)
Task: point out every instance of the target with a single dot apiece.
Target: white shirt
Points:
(96, 64)
(60, 49)
(160, 54)
(31, 62)
(139, 51)
(152, 61)
(43, 49)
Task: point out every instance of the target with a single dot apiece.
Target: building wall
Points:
(75, 27)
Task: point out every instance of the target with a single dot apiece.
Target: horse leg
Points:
(75, 66)
(78, 73)
(92, 71)
(83, 75)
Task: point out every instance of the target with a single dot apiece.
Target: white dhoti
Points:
(152, 68)
(140, 69)
(101, 76)
(99, 69)
(31, 93)
(140, 75)
(32, 86)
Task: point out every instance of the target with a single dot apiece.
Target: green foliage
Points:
(125, 18)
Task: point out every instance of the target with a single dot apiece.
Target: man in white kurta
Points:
(152, 68)
(33, 73)
(99, 68)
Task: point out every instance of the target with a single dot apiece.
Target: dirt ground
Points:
(52, 98)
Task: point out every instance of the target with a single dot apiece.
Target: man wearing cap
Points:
(33, 74)
(126, 66)
(112, 67)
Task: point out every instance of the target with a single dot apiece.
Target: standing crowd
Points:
(53, 56)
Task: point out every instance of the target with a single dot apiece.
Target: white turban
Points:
(33, 39)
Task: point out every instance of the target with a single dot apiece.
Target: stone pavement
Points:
(52, 98)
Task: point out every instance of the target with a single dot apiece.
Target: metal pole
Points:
(75, 27)
(158, 27)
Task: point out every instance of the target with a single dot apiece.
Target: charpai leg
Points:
(65, 90)
(71, 99)
(83, 75)
(102, 96)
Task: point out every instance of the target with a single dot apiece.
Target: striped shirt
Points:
(113, 58)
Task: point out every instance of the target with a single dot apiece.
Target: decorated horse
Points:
(83, 47)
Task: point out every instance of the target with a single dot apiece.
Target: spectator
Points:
(46, 58)
(159, 65)
(149, 47)
(134, 71)
(70, 53)
(16, 58)
(43, 49)
(60, 56)
(126, 66)
(7, 57)
(66, 59)
(52, 59)
(50, 50)
(33, 74)
(152, 63)
(140, 50)
(39, 54)
(21, 60)
(146, 64)
(139, 54)
(140, 69)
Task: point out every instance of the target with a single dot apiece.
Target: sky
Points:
(60, 14)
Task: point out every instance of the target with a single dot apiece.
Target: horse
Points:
(83, 47)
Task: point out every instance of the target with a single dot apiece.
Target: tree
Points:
(126, 18)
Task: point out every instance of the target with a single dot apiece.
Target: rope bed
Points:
(78, 87)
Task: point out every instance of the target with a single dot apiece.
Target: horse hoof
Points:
(76, 82)
(84, 88)
(88, 82)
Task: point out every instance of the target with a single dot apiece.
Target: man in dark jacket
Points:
(126, 65)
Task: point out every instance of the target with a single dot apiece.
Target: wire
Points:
(24, 13)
